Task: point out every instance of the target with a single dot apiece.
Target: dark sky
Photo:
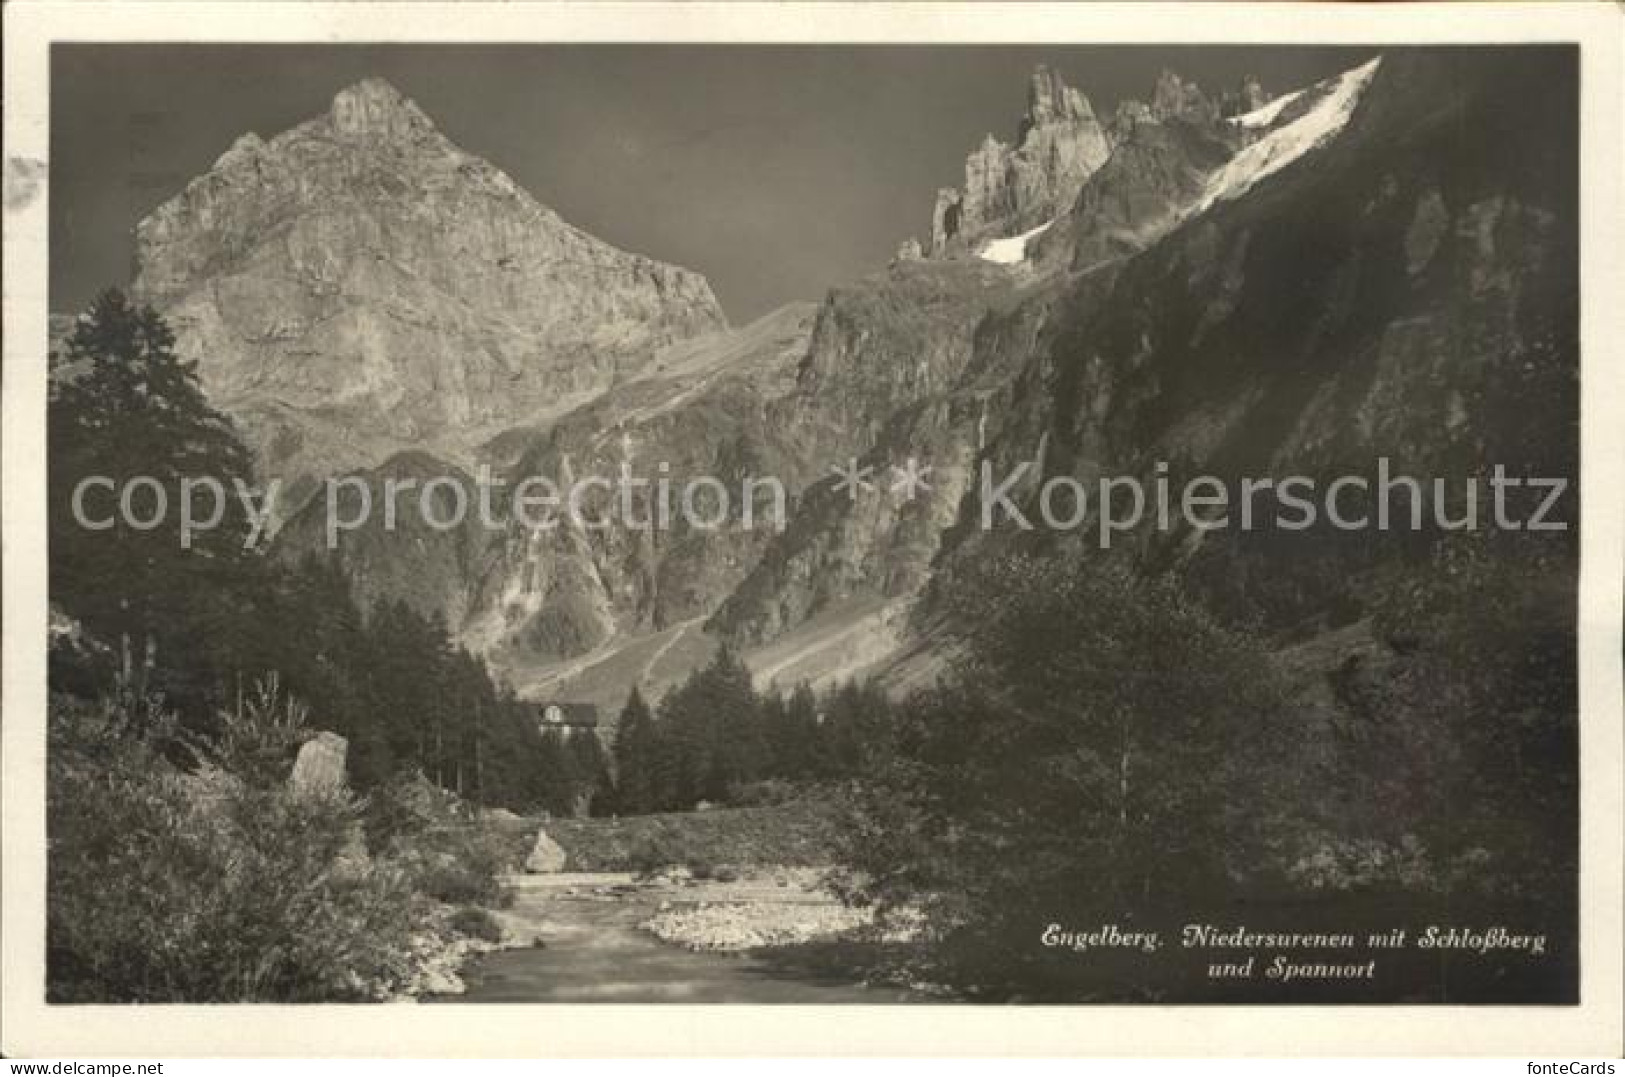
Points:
(775, 171)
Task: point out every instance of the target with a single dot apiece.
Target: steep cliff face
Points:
(790, 397)
(847, 548)
(1154, 175)
(400, 552)
(1352, 274)
(882, 344)
(1400, 290)
(547, 589)
(540, 593)
(922, 363)
(358, 284)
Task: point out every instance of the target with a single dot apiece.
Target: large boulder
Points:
(546, 857)
(320, 765)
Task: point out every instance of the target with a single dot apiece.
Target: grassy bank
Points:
(797, 833)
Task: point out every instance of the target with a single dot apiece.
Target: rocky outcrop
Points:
(409, 529)
(359, 284)
(1128, 115)
(1176, 98)
(904, 365)
(1010, 189)
(882, 344)
(1154, 174)
(529, 592)
(1250, 96)
(922, 362)
(542, 591)
(1061, 145)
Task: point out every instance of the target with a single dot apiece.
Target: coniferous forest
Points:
(196, 627)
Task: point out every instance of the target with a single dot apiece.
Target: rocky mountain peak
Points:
(1051, 100)
(245, 148)
(358, 284)
(1010, 189)
(375, 108)
(1252, 94)
(1176, 98)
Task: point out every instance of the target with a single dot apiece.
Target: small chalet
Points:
(568, 719)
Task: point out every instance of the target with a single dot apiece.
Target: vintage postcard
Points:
(980, 528)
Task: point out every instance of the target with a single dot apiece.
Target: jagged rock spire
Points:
(1007, 189)
(1178, 99)
(1051, 100)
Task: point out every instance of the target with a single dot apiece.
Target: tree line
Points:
(192, 626)
(716, 739)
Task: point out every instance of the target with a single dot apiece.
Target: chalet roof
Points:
(581, 715)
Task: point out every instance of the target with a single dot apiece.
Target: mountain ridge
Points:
(1042, 355)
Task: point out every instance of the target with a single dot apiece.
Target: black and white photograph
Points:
(899, 523)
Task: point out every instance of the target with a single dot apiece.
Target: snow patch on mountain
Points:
(1013, 249)
(1334, 102)
(1263, 117)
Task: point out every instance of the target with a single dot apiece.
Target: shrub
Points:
(1103, 746)
(261, 734)
(1478, 742)
(798, 833)
(476, 923)
(1339, 864)
(456, 877)
(654, 851)
(769, 792)
(168, 887)
(447, 852)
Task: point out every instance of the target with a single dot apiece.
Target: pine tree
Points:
(556, 780)
(591, 771)
(682, 758)
(810, 758)
(634, 751)
(124, 407)
(740, 751)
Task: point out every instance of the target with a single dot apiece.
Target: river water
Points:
(593, 951)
